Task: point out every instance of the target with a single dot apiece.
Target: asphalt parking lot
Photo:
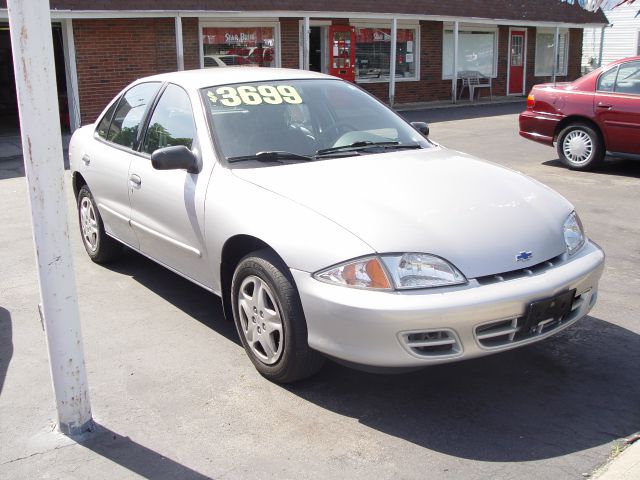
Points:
(174, 396)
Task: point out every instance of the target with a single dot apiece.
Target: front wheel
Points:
(270, 320)
(580, 147)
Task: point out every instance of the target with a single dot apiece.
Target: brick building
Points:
(403, 49)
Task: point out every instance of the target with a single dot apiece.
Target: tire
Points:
(580, 147)
(100, 247)
(271, 323)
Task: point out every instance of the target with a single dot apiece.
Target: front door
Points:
(516, 62)
(342, 53)
(167, 206)
(617, 107)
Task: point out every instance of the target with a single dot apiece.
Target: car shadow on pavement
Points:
(575, 391)
(13, 167)
(133, 456)
(193, 300)
(6, 344)
(612, 166)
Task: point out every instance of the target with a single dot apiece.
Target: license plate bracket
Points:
(554, 309)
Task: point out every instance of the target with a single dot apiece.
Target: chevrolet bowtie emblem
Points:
(523, 256)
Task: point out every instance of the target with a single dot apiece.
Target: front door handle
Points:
(86, 159)
(135, 181)
(604, 106)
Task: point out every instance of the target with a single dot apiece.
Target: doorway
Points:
(9, 120)
(517, 61)
(318, 61)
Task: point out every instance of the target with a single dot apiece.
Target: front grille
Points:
(523, 272)
(431, 343)
(509, 331)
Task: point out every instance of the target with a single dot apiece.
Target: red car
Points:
(594, 115)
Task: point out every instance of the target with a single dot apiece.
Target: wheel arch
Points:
(78, 182)
(565, 122)
(233, 250)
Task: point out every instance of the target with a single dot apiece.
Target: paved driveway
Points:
(175, 397)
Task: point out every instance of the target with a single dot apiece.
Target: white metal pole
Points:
(179, 44)
(556, 37)
(454, 78)
(305, 43)
(32, 46)
(393, 61)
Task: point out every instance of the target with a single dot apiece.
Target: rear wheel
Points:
(100, 247)
(580, 147)
(270, 320)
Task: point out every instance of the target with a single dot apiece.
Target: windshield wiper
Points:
(271, 156)
(365, 144)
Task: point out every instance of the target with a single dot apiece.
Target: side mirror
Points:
(175, 158)
(422, 127)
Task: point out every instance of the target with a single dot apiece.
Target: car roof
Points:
(201, 78)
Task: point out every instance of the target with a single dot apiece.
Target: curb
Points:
(624, 466)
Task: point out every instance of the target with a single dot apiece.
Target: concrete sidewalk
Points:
(625, 466)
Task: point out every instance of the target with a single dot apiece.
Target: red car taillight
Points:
(531, 101)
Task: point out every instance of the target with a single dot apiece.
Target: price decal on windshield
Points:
(249, 95)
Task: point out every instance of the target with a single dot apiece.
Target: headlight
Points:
(361, 273)
(419, 270)
(404, 271)
(573, 233)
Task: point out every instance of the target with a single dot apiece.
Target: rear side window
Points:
(103, 126)
(628, 80)
(128, 114)
(607, 80)
(172, 121)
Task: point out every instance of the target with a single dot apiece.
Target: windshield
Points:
(304, 117)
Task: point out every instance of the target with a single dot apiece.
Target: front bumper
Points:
(382, 329)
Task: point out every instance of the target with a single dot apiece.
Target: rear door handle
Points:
(86, 159)
(135, 181)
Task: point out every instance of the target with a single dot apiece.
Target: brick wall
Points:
(290, 42)
(112, 53)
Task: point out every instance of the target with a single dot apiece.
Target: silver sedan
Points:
(328, 225)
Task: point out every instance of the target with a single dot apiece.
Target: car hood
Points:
(475, 214)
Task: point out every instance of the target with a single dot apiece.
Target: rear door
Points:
(617, 107)
(106, 166)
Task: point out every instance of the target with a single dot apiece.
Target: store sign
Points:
(238, 36)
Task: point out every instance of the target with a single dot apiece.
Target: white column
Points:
(454, 78)
(32, 46)
(555, 54)
(179, 46)
(305, 43)
(73, 96)
(393, 61)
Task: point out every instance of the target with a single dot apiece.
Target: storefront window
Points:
(476, 52)
(373, 53)
(230, 46)
(544, 53)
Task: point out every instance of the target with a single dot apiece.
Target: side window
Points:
(103, 126)
(607, 80)
(125, 123)
(172, 121)
(628, 80)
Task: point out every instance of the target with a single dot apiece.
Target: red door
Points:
(342, 52)
(516, 62)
